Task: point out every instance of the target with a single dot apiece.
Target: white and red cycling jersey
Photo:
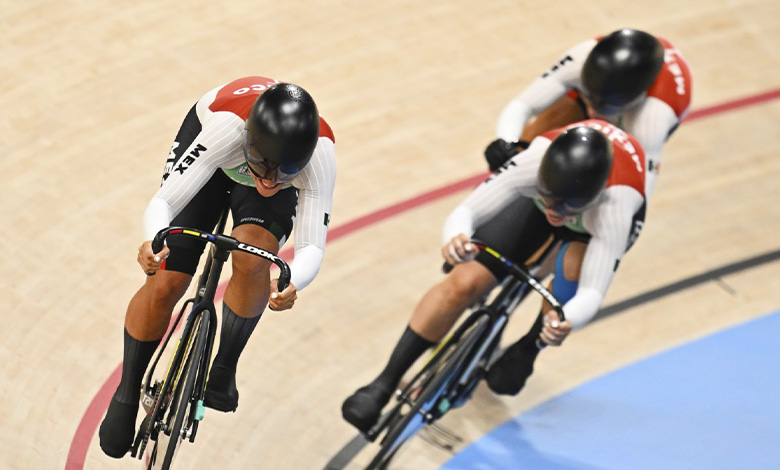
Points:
(651, 121)
(222, 113)
(613, 221)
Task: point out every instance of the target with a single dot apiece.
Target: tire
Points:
(428, 387)
(159, 416)
(181, 405)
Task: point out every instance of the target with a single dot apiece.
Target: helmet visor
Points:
(560, 206)
(260, 167)
(606, 107)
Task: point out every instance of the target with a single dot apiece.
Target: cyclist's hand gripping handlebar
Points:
(225, 243)
(521, 273)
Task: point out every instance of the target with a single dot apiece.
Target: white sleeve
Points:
(157, 216)
(217, 145)
(512, 120)
(651, 125)
(315, 203)
(609, 223)
(543, 92)
(516, 178)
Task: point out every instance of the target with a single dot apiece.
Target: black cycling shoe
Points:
(508, 374)
(118, 428)
(362, 408)
(221, 392)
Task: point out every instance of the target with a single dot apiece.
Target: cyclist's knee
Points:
(468, 282)
(249, 266)
(167, 287)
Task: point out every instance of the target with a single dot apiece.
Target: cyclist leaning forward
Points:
(630, 78)
(262, 146)
(584, 182)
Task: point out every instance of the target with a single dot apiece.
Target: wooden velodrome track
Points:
(93, 93)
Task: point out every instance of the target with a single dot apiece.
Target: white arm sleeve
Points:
(583, 307)
(157, 214)
(216, 146)
(315, 203)
(305, 265)
(543, 92)
(517, 178)
(610, 223)
(512, 120)
(651, 125)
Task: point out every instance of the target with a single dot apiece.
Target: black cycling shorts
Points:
(276, 214)
(517, 232)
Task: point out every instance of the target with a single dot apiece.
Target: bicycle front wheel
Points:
(183, 407)
(427, 395)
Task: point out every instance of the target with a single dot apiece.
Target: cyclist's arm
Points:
(652, 124)
(218, 145)
(517, 177)
(610, 224)
(543, 92)
(315, 203)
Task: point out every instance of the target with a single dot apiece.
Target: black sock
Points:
(233, 337)
(409, 348)
(137, 355)
(528, 341)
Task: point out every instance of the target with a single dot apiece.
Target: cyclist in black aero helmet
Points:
(620, 69)
(281, 132)
(574, 170)
(582, 183)
(259, 146)
(637, 81)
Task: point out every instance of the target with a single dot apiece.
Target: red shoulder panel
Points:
(673, 85)
(239, 95)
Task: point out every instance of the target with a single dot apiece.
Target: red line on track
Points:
(97, 407)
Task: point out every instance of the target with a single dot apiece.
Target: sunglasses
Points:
(260, 167)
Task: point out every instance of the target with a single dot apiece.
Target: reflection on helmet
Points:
(574, 170)
(620, 68)
(281, 131)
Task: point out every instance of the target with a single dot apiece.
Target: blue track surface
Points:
(710, 404)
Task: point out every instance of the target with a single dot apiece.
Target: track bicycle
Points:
(175, 405)
(459, 363)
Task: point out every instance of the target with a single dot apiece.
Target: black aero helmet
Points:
(620, 67)
(574, 169)
(281, 131)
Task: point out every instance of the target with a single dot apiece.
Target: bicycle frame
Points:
(447, 380)
(164, 397)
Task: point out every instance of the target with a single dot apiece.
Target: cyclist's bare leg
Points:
(249, 286)
(443, 304)
(146, 321)
(433, 317)
(245, 299)
(149, 311)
